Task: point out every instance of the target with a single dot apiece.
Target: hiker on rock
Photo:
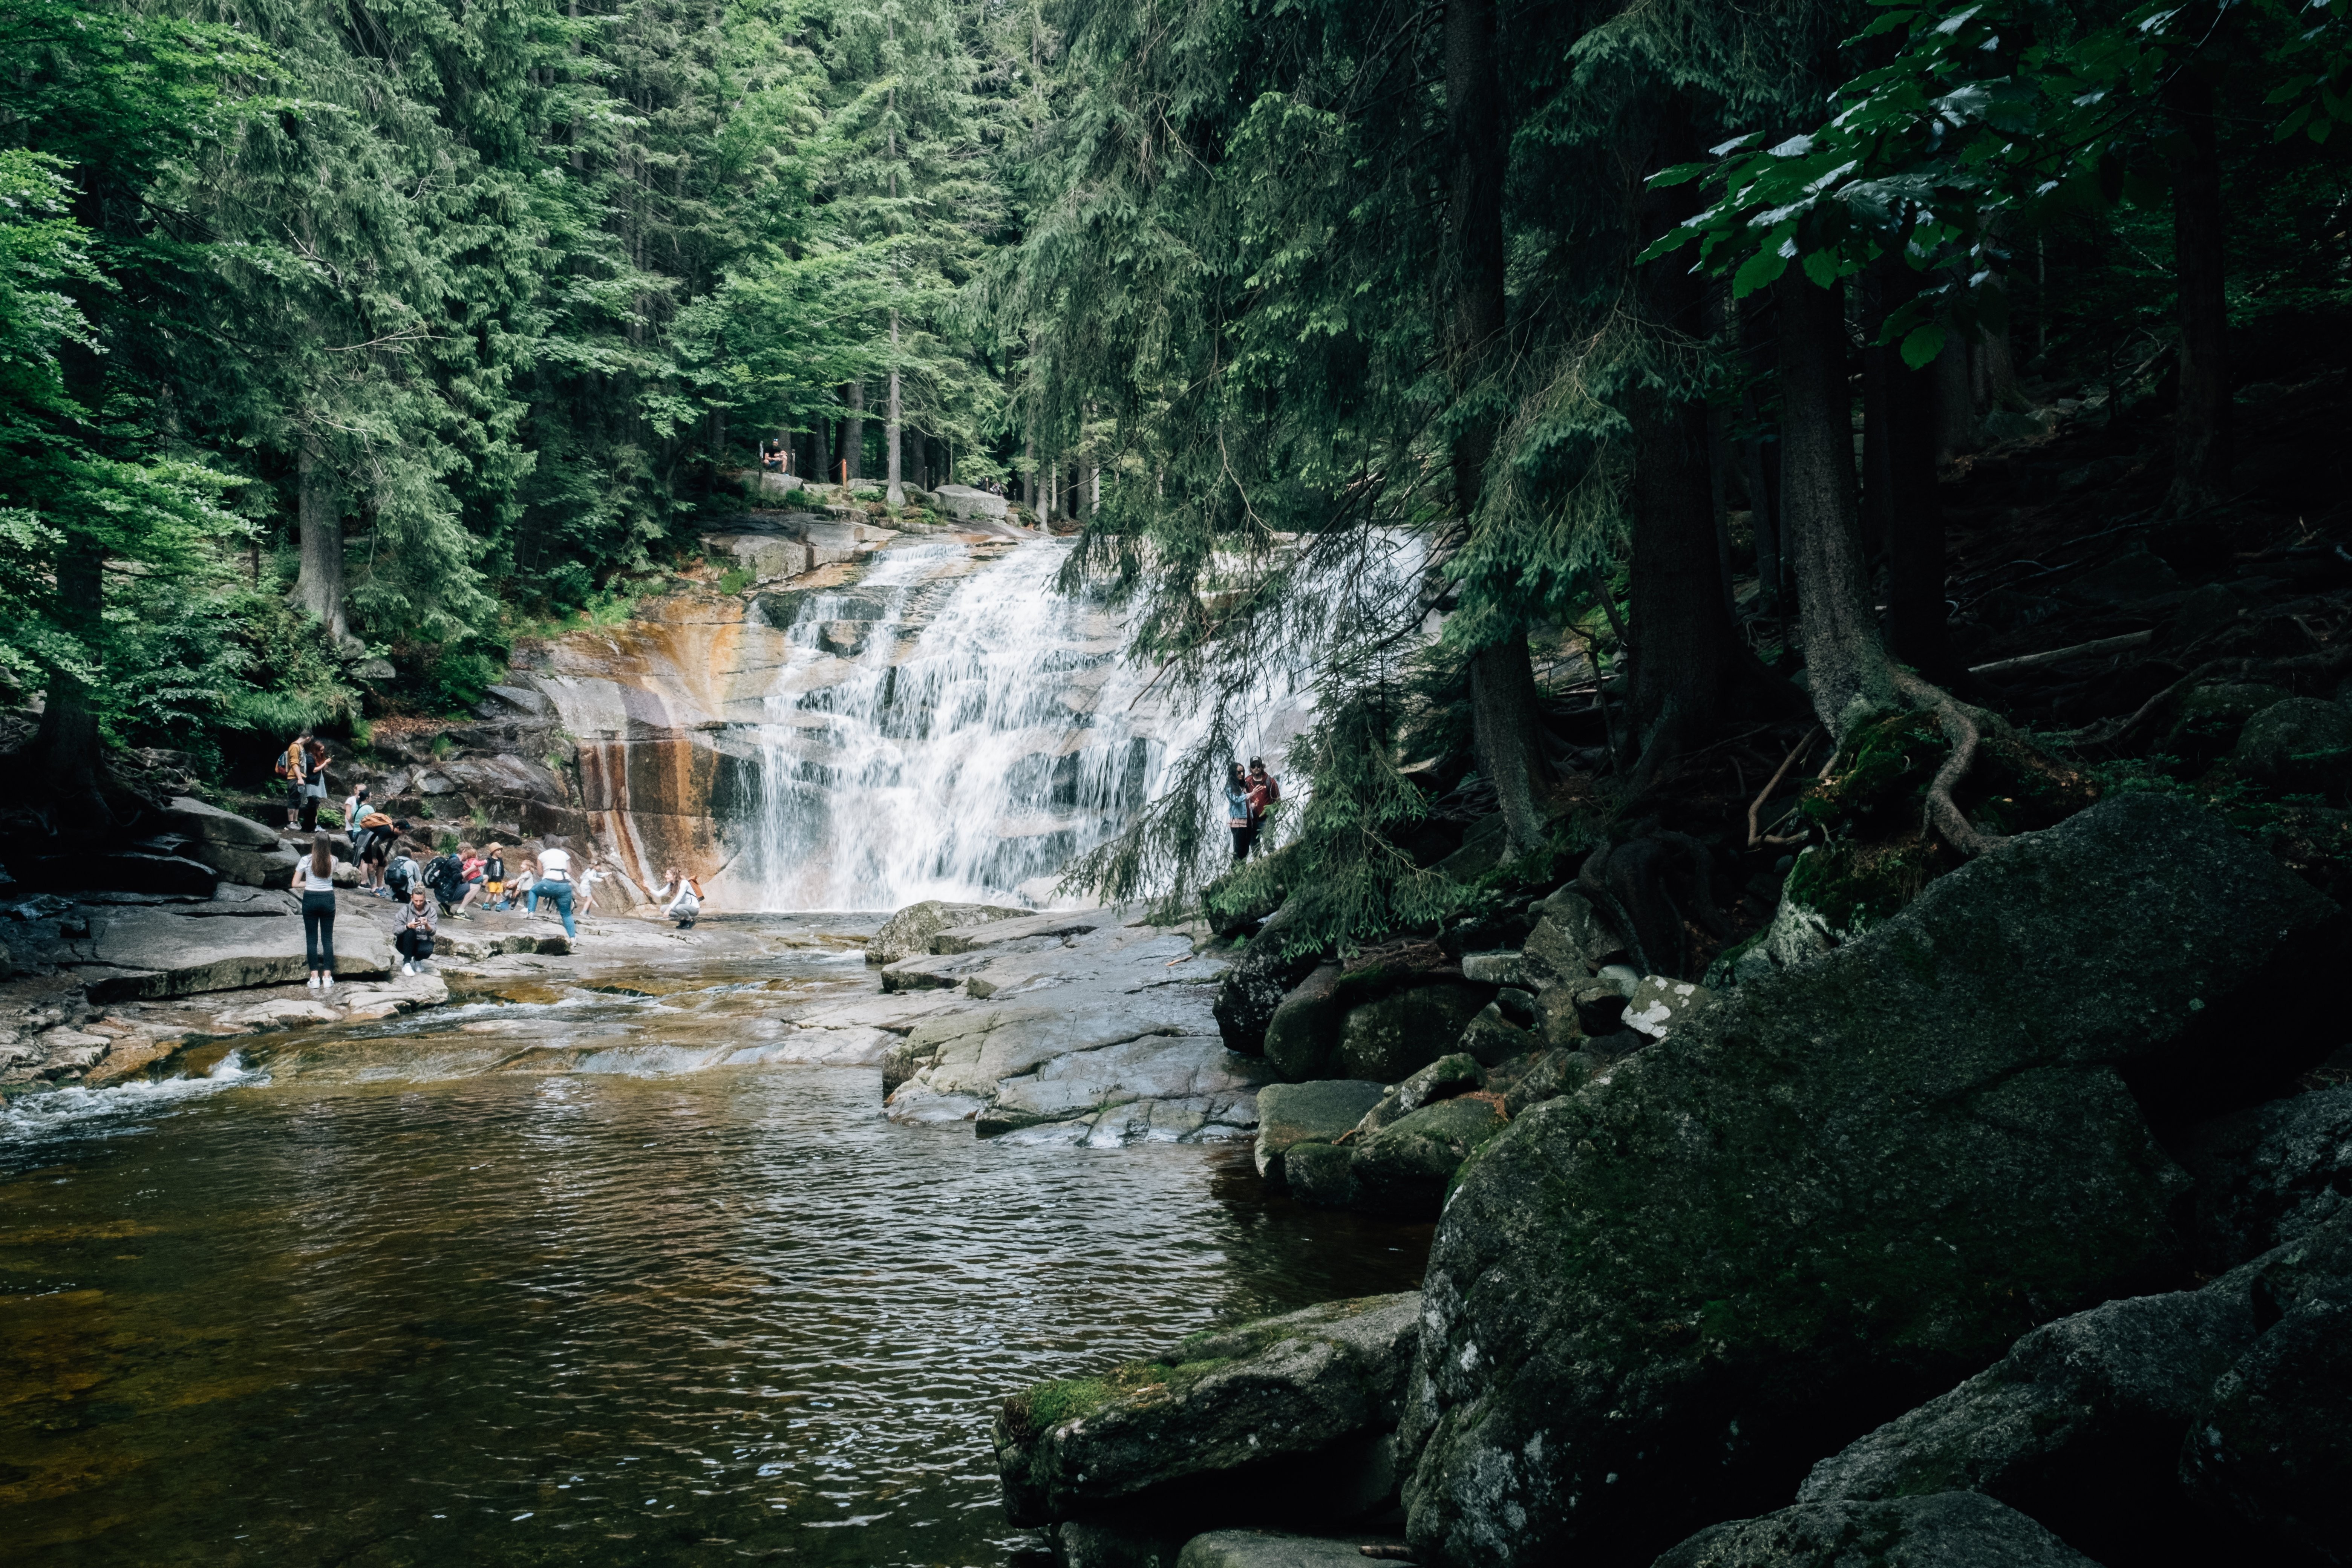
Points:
(1263, 791)
(685, 897)
(1238, 811)
(317, 880)
(555, 882)
(414, 936)
(294, 769)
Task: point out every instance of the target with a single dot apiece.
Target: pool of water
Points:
(316, 1308)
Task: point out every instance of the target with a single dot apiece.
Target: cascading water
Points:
(952, 728)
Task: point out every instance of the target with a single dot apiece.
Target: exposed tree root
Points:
(1960, 724)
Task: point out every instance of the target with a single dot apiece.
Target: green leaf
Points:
(1923, 343)
(1822, 267)
(1759, 271)
(1680, 174)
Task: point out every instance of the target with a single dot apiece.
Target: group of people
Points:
(1248, 793)
(457, 880)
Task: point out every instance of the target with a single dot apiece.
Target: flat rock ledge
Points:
(1080, 1028)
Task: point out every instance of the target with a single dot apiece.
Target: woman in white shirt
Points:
(317, 874)
(555, 882)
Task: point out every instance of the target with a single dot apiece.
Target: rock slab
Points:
(1948, 1529)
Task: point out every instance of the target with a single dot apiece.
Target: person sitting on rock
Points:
(413, 935)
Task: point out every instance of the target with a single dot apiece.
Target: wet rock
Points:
(1258, 981)
(1302, 1039)
(1109, 1543)
(209, 823)
(2273, 1452)
(2079, 1425)
(1321, 1175)
(2302, 744)
(930, 974)
(2272, 1173)
(1393, 1036)
(1056, 925)
(1316, 1113)
(1659, 1003)
(1243, 1414)
(1947, 1529)
(909, 933)
(1842, 1187)
(68, 1053)
(1194, 1071)
(1404, 1168)
(1503, 966)
(1273, 1549)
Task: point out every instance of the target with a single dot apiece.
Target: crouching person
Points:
(414, 936)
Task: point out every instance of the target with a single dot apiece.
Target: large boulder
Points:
(1270, 1419)
(1258, 981)
(2080, 1426)
(1390, 1037)
(1302, 1039)
(2304, 743)
(1272, 1548)
(1947, 1529)
(2273, 1452)
(909, 933)
(2272, 1173)
(1317, 1113)
(1832, 1193)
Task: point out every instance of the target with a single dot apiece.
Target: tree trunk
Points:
(1845, 662)
(2200, 426)
(897, 495)
(319, 513)
(1682, 637)
(1954, 400)
(1917, 633)
(1504, 717)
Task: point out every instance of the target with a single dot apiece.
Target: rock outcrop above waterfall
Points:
(1859, 1178)
(1075, 1027)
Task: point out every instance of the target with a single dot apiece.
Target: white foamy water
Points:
(955, 736)
(84, 1111)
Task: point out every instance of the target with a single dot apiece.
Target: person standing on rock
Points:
(597, 874)
(555, 882)
(1237, 812)
(494, 876)
(414, 936)
(1263, 792)
(294, 767)
(524, 889)
(317, 880)
(314, 781)
(355, 806)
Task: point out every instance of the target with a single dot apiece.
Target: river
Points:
(563, 1274)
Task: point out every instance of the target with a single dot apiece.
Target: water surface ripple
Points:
(580, 1317)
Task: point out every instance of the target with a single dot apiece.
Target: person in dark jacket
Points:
(1237, 812)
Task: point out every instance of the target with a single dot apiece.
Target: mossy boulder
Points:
(1834, 1194)
(1404, 1168)
(1302, 1039)
(1948, 1529)
(1393, 1036)
(1243, 1424)
(1255, 984)
(1317, 1113)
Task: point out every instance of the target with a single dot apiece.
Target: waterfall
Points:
(952, 728)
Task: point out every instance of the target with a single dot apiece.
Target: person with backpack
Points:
(402, 879)
(414, 936)
(316, 876)
(1263, 791)
(685, 896)
(1238, 811)
(372, 847)
(294, 771)
(444, 876)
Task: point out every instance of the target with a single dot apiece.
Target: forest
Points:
(346, 346)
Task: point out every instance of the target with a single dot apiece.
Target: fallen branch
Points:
(1958, 723)
(2109, 730)
(1786, 764)
(2058, 654)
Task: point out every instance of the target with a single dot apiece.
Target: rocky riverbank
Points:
(2011, 1231)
